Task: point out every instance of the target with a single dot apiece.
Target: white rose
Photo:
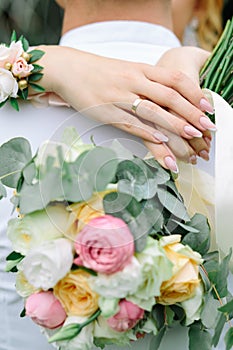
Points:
(119, 284)
(83, 341)
(11, 53)
(23, 287)
(45, 265)
(8, 85)
(31, 230)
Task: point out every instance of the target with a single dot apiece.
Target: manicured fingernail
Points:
(191, 131)
(160, 137)
(204, 154)
(193, 159)
(171, 164)
(207, 140)
(206, 106)
(207, 123)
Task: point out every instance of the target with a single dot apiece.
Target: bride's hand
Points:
(84, 80)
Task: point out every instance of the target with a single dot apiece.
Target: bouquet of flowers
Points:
(105, 250)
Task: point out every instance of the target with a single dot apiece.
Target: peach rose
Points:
(21, 68)
(127, 317)
(185, 278)
(105, 245)
(75, 294)
(45, 310)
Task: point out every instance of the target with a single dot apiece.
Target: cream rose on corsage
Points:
(45, 265)
(31, 230)
(185, 274)
(8, 85)
(11, 53)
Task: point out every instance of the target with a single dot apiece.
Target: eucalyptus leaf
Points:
(199, 338)
(229, 339)
(218, 329)
(139, 191)
(14, 155)
(228, 308)
(172, 204)
(198, 241)
(209, 314)
(122, 152)
(156, 340)
(3, 192)
(29, 172)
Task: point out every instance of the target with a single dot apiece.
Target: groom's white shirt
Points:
(135, 41)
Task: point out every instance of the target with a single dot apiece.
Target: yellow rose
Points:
(75, 294)
(82, 213)
(185, 278)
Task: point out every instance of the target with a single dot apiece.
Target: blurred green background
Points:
(40, 20)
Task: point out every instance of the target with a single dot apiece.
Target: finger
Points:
(163, 155)
(152, 112)
(180, 82)
(201, 147)
(126, 122)
(180, 148)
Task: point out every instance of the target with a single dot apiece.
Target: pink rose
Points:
(21, 68)
(45, 310)
(127, 317)
(105, 245)
(10, 54)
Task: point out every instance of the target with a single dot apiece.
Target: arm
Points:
(114, 85)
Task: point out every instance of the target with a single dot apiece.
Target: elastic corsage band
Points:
(18, 71)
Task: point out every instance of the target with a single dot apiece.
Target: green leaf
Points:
(37, 68)
(3, 192)
(11, 265)
(23, 93)
(198, 241)
(3, 103)
(37, 87)
(14, 155)
(227, 308)
(186, 227)
(35, 77)
(156, 340)
(29, 172)
(172, 204)
(23, 313)
(199, 338)
(14, 256)
(170, 314)
(122, 152)
(13, 36)
(139, 191)
(14, 103)
(35, 55)
(25, 43)
(209, 314)
(218, 329)
(229, 339)
(157, 315)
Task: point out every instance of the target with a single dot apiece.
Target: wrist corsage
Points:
(18, 71)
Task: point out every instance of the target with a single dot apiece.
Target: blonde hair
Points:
(210, 23)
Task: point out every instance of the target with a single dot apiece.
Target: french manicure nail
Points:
(160, 137)
(204, 154)
(207, 123)
(191, 131)
(206, 106)
(193, 159)
(171, 164)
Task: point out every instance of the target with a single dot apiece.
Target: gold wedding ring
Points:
(135, 105)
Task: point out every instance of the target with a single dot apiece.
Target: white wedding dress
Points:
(135, 41)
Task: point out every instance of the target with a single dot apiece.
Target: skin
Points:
(163, 86)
